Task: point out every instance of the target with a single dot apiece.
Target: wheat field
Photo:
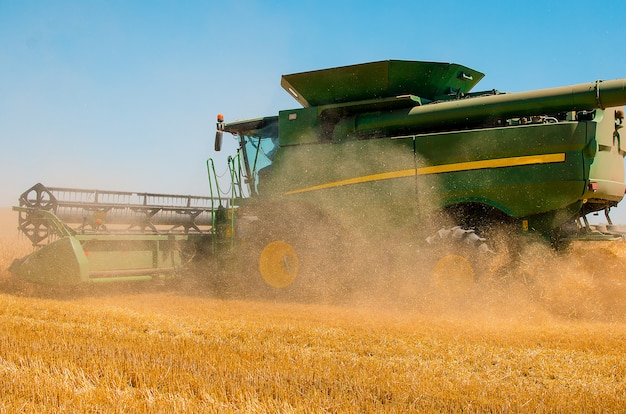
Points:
(153, 348)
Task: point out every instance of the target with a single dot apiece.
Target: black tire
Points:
(458, 258)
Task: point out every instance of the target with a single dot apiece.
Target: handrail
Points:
(235, 179)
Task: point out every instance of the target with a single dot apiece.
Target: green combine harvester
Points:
(395, 154)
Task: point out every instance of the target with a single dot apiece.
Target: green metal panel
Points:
(381, 180)
(519, 191)
(607, 165)
(131, 255)
(379, 80)
(60, 263)
(363, 207)
(299, 126)
(101, 258)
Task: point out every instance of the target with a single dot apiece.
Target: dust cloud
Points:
(586, 282)
(531, 283)
(526, 282)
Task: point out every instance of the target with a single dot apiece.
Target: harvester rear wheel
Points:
(460, 256)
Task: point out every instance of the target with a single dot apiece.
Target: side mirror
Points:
(218, 139)
(219, 133)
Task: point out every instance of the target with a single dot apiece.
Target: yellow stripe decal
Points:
(438, 169)
(496, 163)
(358, 180)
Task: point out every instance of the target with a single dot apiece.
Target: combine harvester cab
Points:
(106, 236)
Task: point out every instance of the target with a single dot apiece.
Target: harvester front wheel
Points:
(278, 264)
(297, 251)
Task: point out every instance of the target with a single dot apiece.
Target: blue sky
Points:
(123, 95)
